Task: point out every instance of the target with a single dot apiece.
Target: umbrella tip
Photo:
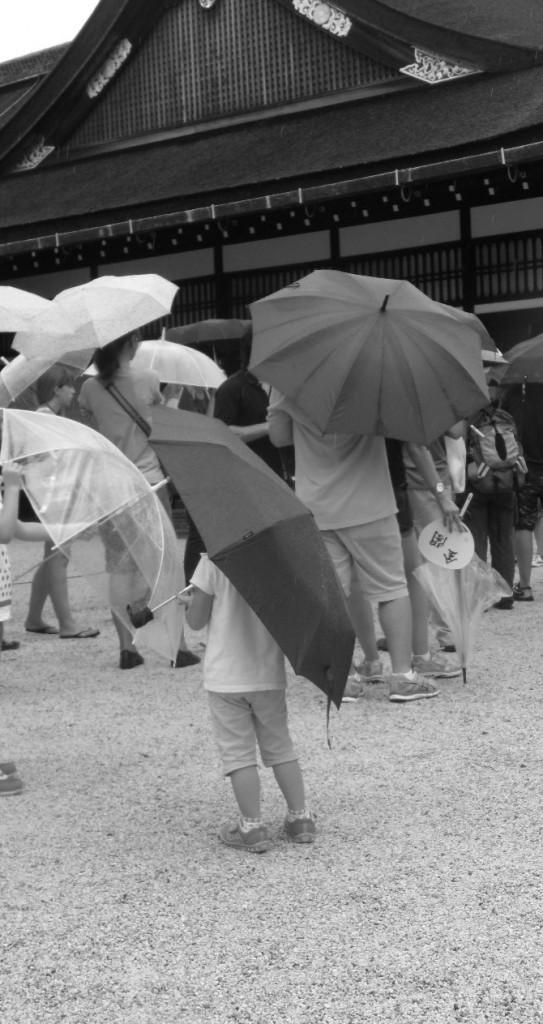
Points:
(384, 306)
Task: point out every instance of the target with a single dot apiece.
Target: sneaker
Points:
(372, 672)
(255, 841)
(505, 603)
(436, 666)
(522, 593)
(537, 562)
(353, 689)
(301, 830)
(402, 689)
(10, 785)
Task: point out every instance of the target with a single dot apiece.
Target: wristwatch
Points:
(439, 487)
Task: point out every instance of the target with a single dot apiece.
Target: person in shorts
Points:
(244, 675)
(344, 481)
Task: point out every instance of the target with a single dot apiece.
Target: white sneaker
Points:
(436, 666)
(353, 689)
(537, 562)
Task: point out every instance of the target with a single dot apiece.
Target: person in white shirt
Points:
(244, 675)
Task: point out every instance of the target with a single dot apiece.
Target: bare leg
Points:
(51, 580)
(361, 615)
(289, 778)
(419, 602)
(524, 553)
(395, 619)
(246, 786)
(538, 535)
(122, 588)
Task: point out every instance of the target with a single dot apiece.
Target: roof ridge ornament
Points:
(432, 68)
(109, 68)
(326, 16)
(34, 156)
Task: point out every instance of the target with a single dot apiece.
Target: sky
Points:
(30, 25)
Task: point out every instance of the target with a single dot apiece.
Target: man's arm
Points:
(426, 467)
(279, 422)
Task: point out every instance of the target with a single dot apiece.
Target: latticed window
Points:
(241, 55)
(509, 268)
(436, 270)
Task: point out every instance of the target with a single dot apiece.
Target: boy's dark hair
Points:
(53, 378)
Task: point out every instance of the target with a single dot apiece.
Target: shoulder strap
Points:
(128, 408)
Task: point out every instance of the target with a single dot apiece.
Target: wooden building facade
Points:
(235, 145)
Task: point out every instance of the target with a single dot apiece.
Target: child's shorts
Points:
(240, 720)
(5, 585)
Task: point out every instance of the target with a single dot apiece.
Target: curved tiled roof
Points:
(32, 65)
(307, 148)
(516, 22)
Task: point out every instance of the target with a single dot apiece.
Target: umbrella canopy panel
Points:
(264, 540)
(99, 509)
(525, 362)
(365, 355)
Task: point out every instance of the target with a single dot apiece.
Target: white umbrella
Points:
(24, 311)
(101, 311)
(177, 364)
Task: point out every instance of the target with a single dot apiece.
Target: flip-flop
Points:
(44, 629)
(84, 634)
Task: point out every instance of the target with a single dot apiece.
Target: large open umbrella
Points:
(101, 510)
(264, 540)
(366, 355)
(525, 363)
(102, 310)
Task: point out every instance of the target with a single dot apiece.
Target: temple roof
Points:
(403, 127)
(518, 23)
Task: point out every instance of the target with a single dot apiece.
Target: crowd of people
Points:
(370, 499)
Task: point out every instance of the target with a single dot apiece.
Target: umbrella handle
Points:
(466, 505)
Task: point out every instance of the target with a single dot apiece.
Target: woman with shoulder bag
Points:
(117, 403)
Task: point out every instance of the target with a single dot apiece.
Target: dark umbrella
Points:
(525, 363)
(264, 540)
(209, 332)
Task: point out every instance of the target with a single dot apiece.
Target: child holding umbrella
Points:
(244, 674)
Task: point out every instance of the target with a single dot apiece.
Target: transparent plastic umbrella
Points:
(21, 373)
(461, 596)
(101, 511)
(176, 364)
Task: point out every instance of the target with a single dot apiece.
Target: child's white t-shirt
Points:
(241, 655)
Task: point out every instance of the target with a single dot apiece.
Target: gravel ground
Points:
(420, 901)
